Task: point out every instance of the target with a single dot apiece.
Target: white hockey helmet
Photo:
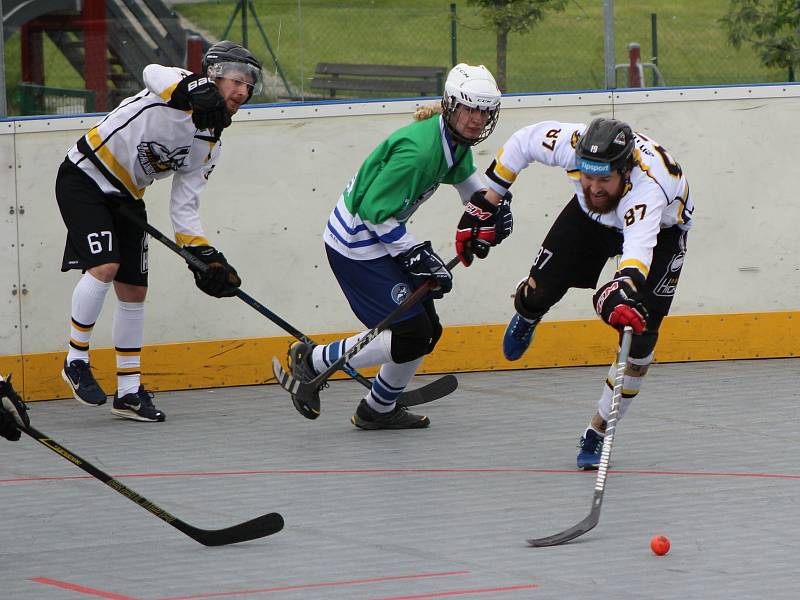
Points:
(474, 87)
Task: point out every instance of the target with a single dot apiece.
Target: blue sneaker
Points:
(138, 406)
(518, 336)
(85, 389)
(591, 445)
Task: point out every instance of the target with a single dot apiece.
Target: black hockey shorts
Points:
(96, 235)
(576, 249)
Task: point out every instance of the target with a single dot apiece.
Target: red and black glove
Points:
(482, 226)
(619, 304)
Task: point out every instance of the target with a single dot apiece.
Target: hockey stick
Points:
(427, 393)
(602, 471)
(304, 391)
(249, 530)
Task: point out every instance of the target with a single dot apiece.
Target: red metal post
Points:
(95, 31)
(32, 49)
(634, 72)
(194, 53)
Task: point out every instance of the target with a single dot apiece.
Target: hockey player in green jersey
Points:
(377, 261)
(169, 129)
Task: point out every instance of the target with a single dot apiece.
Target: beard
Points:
(603, 204)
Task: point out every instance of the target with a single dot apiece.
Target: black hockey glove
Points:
(199, 94)
(482, 226)
(422, 263)
(619, 304)
(13, 412)
(220, 279)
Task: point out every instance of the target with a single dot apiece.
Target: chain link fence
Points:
(681, 43)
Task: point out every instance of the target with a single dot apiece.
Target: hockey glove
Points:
(619, 304)
(220, 279)
(481, 226)
(13, 412)
(199, 94)
(422, 263)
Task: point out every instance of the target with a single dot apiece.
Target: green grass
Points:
(565, 52)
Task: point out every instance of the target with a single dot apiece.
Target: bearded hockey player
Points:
(632, 200)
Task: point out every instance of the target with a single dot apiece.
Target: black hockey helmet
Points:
(233, 61)
(606, 146)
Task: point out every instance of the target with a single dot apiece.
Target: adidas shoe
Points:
(518, 336)
(399, 418)
(138, 406)
(591, 447)
(299, 361)
(85, 389)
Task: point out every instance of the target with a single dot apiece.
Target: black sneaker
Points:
(84, 388)
(138, 406)
(399, 418)
(299, 361)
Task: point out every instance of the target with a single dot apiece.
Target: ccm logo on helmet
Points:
(201, 81)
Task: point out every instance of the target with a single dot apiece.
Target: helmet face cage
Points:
(474, 88)
(232, 61)
(605, 146)
(450, 105)
(238, 71)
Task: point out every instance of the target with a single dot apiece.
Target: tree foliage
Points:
(517, 16)
(772, 27)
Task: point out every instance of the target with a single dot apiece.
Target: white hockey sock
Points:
(377, 352)
(635, 371)
(390, 382)
(87, 302)
(127, 331)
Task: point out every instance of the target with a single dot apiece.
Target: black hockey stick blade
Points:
(256, 528)
(589, 523)
(251, 530)
(304, 395)
(428, 393)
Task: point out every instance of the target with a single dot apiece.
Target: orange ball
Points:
(659, 545)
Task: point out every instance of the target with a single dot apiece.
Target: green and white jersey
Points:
(369, 220)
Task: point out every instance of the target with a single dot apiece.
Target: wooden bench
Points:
(410, 80)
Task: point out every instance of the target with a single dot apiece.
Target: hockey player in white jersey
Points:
(171, 128)
(631, 199)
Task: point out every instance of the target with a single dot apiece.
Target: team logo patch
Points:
(669, 282)
(400, 292)
(156, 158)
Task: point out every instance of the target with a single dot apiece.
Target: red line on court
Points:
(510, 588)
(81, 589)
(307, 586)
(409, 471)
